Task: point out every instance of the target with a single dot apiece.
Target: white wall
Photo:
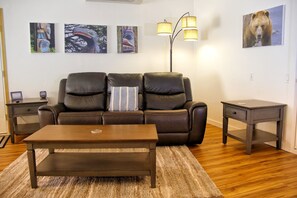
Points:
(217, 65)
(223, 67)
(32, 73)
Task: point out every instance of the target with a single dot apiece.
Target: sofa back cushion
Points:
(125, 80)
(188, 90)
(164, 90)
(85, 91)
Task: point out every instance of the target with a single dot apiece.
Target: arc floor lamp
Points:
(188, 26)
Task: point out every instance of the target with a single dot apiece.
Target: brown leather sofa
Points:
(164, 99)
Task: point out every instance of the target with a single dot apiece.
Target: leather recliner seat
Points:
(164, 99)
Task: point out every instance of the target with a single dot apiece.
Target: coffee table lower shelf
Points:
(95, 164)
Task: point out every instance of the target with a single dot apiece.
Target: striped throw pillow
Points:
(123, 99)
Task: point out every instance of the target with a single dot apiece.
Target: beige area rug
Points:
(178, 175)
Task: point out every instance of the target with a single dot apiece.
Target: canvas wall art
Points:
(264, 27)
(42, 36)
(85, 38)
(127, 39)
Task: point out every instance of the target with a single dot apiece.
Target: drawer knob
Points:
(28, 109)
(234, 112)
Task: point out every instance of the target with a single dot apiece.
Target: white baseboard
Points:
(215, 123)
(220, 124)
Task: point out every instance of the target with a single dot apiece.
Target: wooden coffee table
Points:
(91, 163)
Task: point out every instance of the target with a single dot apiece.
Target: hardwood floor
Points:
(267, 172)
(11, 151)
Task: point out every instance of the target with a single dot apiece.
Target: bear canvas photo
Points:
(263, 28)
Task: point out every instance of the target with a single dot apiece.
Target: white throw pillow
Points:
(123, 99)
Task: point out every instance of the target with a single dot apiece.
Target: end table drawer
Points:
(26, 110)
(237, 114)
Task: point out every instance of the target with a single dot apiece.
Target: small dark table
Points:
(25, 107)
(252, 112)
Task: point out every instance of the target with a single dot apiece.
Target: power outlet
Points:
(251, 76)
(287, 78)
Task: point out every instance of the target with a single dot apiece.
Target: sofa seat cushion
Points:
(168, 120)
(128, 117)
(86, 117)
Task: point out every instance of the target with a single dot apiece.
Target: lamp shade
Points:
(164, 28)
(191, 35)
(188, 22)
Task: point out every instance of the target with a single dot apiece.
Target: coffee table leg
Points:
(32, 165)
(153, 166)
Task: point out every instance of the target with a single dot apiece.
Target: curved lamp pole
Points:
(188, 25)
(173, 36)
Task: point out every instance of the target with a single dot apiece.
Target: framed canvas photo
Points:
(127, 39)
(42, 37)
(16, 96)
(85, 38)
(264, 27)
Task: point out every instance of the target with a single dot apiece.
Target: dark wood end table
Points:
(25, 107)
(252, 112)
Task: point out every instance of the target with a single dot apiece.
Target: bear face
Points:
(260, 25)
(257, 29)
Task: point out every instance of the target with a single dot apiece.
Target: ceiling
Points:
(118, 1)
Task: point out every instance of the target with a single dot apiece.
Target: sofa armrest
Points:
(49, 114)
(197, 117)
